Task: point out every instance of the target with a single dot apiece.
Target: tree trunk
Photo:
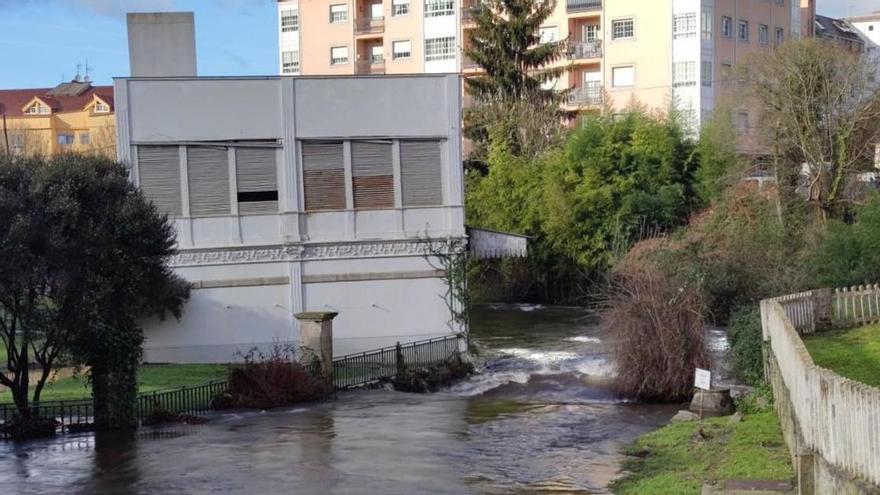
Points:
(114, 392)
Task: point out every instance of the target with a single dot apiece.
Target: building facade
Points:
(73, 116)
(654, 51)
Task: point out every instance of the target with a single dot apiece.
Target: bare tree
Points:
(820, 111)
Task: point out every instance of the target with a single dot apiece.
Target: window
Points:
(743, 30)
(763, 34)
(440, 48)
(623, 29)
(84, 138)
(65, 138)
(290, 20)
(871, 27)
(159, 177)
(208, 171)
(437, 8)
(256, 177)
(779, 2)
(401, 49)
(372, 174)
(377, 54)
(684, 26)
(101, 107)
(339, 55)
(323, 175)
(289, 62)
(399, 7)
(623, 76)
(420, 173)
(780, 36)
(548, 34)
(706, 23)
(339, 12)
(684, 74)
(727, 27)
(706, 73)
(589, 32)
(38, 108)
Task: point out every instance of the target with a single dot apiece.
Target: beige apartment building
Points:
(654, 51)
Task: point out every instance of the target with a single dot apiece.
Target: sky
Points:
(42, 41)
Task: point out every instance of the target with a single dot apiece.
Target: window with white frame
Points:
(438, 8)
(684, 25)
(589, 32)
(706, 23)
(65, 138)
(763, 34)
(377, 54)
(339, 12)
(548, 34)
(289, 20)
(706, 73)
(743, 30)
(780, 35)
(38, 108)
(401, 49)
(399, 7)
(338, 55)
(684, 74)
(727, 27)
(289, 62)
(440, 48)
(101, 107)
(623, 76)
(622, 29)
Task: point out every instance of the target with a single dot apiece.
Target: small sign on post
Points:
(702, 381)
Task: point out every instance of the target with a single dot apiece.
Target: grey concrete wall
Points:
(162, 44)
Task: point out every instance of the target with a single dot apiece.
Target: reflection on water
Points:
(538, 419)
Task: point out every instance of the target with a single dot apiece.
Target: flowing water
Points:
(538, 419)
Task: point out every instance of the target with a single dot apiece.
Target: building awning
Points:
(485, 244)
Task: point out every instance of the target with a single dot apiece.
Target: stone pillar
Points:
(316, 335)
(822, 301)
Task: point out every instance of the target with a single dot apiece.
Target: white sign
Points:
(703, 379)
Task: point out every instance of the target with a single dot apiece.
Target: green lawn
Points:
(671, 461)
(853, 353)
(151, 377)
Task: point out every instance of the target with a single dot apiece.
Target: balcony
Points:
(469, 11)
(582, 5)
(590, 95)
(369, 25)
(374, 66)
(577, 50)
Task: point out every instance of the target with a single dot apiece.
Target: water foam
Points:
(584, 339)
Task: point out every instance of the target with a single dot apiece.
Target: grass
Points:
(151, 377)
(671, 461)
(853, 353)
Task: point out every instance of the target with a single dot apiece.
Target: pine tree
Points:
(506, 45)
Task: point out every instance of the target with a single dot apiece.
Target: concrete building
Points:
(841, 32)
(300, 194)
(72, 116)
(656, 51)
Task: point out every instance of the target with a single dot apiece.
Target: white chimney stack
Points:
(162, 44)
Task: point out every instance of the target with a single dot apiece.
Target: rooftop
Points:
(66, 97)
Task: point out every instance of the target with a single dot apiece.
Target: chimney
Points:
(162, 44)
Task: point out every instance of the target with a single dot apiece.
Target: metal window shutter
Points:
(420, 173)
(159, 174)
(208, 169)
(323, 175)
(373, 174)
(256, 171)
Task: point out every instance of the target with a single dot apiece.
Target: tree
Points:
(820, 107)
(507, 46)
(83, 258)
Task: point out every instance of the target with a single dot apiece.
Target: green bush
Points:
(745, 336)
(847, 254)
(759, 400)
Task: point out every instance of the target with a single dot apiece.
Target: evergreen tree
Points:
(506, 45)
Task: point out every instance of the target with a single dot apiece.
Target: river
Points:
(538, 419)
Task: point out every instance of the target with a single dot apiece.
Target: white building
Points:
(296, 194)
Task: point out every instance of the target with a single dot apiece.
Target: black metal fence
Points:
(355, 370)
(349, 371)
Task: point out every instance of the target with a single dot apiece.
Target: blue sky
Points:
(41, 40)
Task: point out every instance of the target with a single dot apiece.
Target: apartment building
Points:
(653, 51)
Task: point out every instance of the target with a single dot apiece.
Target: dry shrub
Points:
(659, 330)
(273, 380)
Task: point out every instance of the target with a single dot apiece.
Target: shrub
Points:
(273, 380)
(847, 254)
(759, 400)
(745, 336)
(423, 379)
(659, 331)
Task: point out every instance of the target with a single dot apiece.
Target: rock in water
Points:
(715, 402)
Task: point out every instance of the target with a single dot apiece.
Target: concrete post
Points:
(822, 300)
(316, 335)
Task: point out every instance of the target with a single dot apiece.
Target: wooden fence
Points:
(839, 418)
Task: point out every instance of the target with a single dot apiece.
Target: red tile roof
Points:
(12, 101)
